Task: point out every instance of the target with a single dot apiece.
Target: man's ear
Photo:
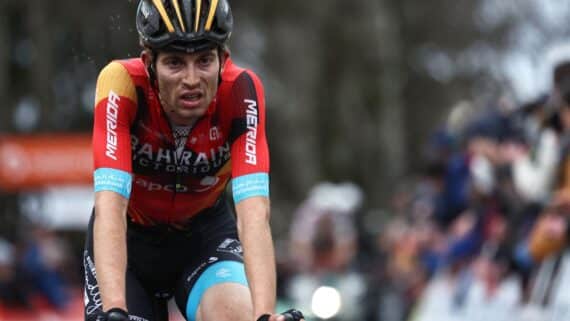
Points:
(146, 56)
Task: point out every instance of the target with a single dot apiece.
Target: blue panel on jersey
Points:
(221, 272)
(250, 185)
(109, 179)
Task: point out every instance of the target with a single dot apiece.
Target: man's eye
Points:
(205, 60)
(173, 62)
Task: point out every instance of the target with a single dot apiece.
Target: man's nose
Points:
(191, 77)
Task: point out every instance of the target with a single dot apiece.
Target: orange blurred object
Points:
(547, 237)
(35, 161)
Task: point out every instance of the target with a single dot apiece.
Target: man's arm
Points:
(259, 257)
(250, 187)
(115, 110)
(110, 246)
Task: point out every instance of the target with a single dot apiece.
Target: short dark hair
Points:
(561, 73)
(561, 79)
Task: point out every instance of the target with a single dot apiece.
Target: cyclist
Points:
(171, 129)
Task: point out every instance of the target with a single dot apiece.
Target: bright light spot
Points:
(325, 302)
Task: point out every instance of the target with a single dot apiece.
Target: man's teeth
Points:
(191, 97)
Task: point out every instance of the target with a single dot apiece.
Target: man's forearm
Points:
(110, 250)
(259, 256)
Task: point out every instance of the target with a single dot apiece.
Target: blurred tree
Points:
(333, 82)
(41, 73)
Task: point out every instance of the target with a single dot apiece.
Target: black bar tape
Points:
(293, 315)
(117, 314)
(264, 317)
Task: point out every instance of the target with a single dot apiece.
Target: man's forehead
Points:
(202, 52)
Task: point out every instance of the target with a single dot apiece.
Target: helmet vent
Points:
(211, 13)
(179, 15)
(162, 11)
(198, 14)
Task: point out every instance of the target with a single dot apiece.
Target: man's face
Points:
(187, 83)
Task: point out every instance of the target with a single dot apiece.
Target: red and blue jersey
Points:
(136, 156)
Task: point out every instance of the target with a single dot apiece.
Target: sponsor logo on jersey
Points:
(212, 181)
(223, 273)
(162, 295)
(190, 162)
(194, 273)
(252, 118)
(112, 114)
(91, 294)
(215, 133)
(207, 183)
(232, 246)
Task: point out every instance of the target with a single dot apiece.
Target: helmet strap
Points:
(151, 69)
(221, 52)
(220, 73)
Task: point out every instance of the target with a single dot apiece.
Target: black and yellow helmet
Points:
(185, 25)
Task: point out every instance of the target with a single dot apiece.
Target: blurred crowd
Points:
(491, 204)
(37, 273)
(472, 228)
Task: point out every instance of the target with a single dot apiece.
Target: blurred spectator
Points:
(324, 223)
(323, 247)
(12, 294)
(562, 193)
(561, 83)
(43, 261)
(548, 234)
(534, 164)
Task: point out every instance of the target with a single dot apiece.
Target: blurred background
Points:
(418, 151)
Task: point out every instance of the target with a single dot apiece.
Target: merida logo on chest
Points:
(251, 136)
(112, 113)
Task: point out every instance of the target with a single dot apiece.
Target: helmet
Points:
(184, 25)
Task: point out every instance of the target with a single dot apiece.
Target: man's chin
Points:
(193, 112)
(189, 116)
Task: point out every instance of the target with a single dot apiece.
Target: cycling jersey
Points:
(135, 152)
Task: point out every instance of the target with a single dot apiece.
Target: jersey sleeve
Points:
(249, 151)
(115, 109)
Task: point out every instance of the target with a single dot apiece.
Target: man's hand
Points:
(115, 314)
(289, 315)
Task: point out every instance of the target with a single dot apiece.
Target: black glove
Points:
(114, 314)
(293, 315)
(290, 315)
